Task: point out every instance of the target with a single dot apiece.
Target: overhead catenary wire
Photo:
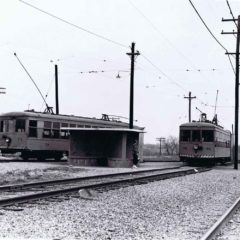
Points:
(104, 71)
(231, 12)
(180, 86)
(155, 28)
(159, 32)
(163, 73)
(96, 35)
(207, 26)
(162, 35)
(75, 25)
(219, 43)
(231, 64)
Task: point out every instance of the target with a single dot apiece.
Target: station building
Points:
(112, 147)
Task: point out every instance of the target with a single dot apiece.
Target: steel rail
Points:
(215, 229)
(38, 196)
(68, 180)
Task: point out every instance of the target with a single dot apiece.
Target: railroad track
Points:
(25, 193)
(216, 229)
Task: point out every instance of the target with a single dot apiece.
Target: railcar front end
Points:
(31, 136)
(204, 143)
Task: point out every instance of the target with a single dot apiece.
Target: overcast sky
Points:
(178, 55)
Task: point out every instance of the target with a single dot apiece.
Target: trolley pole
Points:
(56, 89)
(189, 105)
(236, 87)
(132, 54)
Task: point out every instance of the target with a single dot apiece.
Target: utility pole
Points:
(160, 140)
(56, 88)
(236, 86)
(189, 105)
(132, 54)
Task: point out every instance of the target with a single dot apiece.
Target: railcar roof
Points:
(65, 118)
(200, 124)
(44, 115)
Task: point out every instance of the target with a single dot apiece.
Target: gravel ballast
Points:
(179, 208)
(231, 231)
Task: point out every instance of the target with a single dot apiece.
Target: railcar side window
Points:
(56, 130)
(64, 133)
(207, 136)
(5, 125)
(20, 125)
(47, 130)
(185, 135)
(32, 128)
(196, 135)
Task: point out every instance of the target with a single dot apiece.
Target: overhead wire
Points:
(231, 13)
(159, 32)
(75, 25)
(212, 34)
(170, 43)
(231, 64)
(207, 26)
(163, 73)
(164, 37)
(118, 43)
(104, 71)
(234, 35)
(180, 86)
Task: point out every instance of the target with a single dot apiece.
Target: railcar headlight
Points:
(195, 147)
(8, 141)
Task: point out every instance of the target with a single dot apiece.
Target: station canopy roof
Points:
(104, 129)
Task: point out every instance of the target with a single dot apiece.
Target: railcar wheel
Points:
(24, 156)
(182, 159)
(40, 156)
(58, 156)
(212, 163)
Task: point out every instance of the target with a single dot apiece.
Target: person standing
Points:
(135, 154)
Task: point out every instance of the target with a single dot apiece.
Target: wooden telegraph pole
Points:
(132, 54)
(189, 105)
(236, 86)
(160, 140)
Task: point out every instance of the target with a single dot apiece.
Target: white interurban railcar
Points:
(204, 142)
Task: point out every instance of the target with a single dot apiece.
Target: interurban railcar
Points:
(204, 142)
(39, 135)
